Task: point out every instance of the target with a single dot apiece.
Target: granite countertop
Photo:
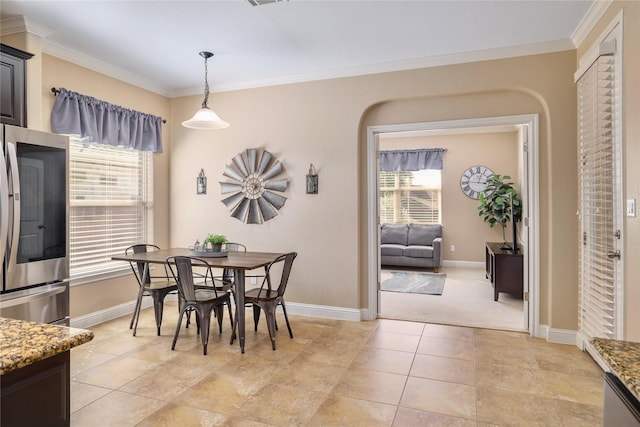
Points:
(623, 357)
(23, 343)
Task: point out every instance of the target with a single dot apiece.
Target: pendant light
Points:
(205, 118)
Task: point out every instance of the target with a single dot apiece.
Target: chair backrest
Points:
(286, 271)
(136, 249)
(227, 273)
(181, 268)
(235, 247)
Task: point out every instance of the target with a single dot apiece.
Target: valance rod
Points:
(56, 91)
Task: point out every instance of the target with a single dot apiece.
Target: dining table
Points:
(237, 261)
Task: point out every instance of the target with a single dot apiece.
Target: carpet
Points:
(415, 283)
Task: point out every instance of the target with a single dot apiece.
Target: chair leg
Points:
(219, 313)
(286, 318)
(175, 337)
(269, 313)
(205, 323)
(230, 313)
(136, 311)
(234, 326)
(256, 316)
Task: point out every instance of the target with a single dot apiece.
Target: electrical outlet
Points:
(631, 208)
(453, 248)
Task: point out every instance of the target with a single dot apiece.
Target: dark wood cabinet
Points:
(38, 394)
(504, 268)
(13, 87)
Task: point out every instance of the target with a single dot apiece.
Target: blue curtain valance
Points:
(411, 160)
(98, 121)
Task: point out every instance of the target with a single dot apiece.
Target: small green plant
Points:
(216, 239)
(496, 202)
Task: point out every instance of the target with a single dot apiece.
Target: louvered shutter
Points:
(596, 93)
(110, 205)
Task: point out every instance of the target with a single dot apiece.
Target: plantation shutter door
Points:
(597, 315)
(110, 205)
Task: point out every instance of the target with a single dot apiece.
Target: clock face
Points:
(474, 180)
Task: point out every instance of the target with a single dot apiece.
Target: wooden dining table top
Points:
(234, 260)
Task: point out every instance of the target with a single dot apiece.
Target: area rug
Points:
(415, 283)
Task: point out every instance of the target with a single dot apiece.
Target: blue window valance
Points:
(411, 160)
(103, 123)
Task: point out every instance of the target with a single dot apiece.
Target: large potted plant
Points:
(497, 202)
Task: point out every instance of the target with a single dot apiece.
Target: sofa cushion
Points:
(423, 234)
(392, 250)
(417, 251)
(394, 234)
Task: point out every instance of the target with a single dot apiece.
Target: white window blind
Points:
(410, 197)
(596, 114)
(111, 205)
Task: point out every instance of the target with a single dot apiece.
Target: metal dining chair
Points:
(202, 298)
(227, 274)
(267, 299)
(158, 287)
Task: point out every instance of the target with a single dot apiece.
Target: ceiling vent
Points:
(263, 2)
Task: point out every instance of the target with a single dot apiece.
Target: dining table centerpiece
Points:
(214, 242)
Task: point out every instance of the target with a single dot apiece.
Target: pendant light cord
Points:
(206, 85)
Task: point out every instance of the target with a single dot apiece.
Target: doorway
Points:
(527, 126)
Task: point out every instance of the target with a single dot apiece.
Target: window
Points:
(410, 197)
(111, 205)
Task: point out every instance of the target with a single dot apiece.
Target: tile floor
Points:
(333, 373)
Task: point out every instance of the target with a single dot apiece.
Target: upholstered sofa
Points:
(411, 245)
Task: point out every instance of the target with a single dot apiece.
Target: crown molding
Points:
(22, 24)
(392, 66)
(589, 21)
(77, 58)
(411, 64)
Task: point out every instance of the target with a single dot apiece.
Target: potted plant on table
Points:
(500, 203)
(215, 241)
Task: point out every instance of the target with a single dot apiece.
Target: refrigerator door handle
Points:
(46, 292)
(4, 205)
(15, 183)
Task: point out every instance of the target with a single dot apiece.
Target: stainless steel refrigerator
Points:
(34, 225)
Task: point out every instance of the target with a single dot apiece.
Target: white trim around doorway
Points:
(529, 125)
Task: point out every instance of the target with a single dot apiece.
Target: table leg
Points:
(239, 297)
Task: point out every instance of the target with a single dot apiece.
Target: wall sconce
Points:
(201, 183)
(312, 180)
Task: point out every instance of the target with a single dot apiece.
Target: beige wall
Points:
(101, 295)
(325, 123)
(631, 150)
(462, 226)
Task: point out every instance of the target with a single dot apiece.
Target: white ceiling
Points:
(155, 44)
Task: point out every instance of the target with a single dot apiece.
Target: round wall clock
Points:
(253, 196)
(474, 180)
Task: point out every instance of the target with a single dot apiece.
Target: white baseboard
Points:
(324, 311)
(126, 309)
(463, 264)
(107, 314)
(558, 336)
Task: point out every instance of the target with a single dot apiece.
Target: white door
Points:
(600, 203)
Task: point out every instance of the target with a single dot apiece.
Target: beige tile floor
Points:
(333, 373)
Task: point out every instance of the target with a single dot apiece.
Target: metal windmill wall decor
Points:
(252, 197)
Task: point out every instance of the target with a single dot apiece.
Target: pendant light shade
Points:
(205, 118)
